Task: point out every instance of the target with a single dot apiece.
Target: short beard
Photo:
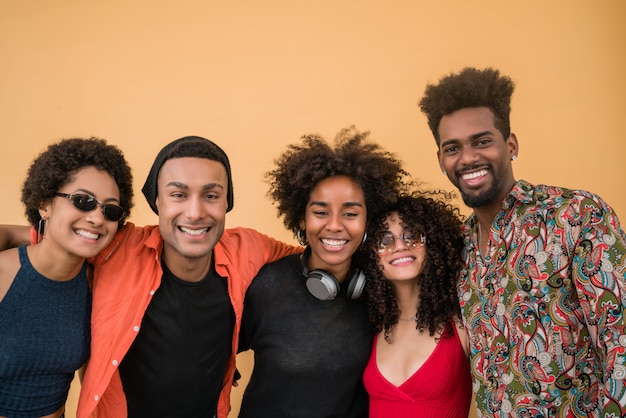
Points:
(483, 199)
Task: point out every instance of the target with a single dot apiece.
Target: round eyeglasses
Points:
(411, 239)
(87, 203)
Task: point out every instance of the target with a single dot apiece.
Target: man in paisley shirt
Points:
(544, 288)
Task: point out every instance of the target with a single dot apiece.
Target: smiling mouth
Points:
(474, 178)
(474, 175)
(86, 234)
(193, 232)
(402, 260)
(335, 243)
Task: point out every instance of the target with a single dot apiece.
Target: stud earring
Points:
(514, 157)
(445, 173)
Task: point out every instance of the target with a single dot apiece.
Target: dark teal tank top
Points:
(44, 339)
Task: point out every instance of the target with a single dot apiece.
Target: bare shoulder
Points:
(9, 266)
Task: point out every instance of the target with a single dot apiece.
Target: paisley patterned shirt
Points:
(545, 308)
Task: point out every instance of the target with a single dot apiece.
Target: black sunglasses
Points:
(86, 203)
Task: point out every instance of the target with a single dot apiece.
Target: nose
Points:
(469, 156)
(96, 216)
(335, 222)
(195, 209)
(398, 241)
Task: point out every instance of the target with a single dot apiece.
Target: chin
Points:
(197, 253)
(478, 200)
(87, 254)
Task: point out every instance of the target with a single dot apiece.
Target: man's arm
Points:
(12, 236)
(598, 272)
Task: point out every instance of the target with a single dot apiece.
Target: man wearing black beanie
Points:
(167, 304)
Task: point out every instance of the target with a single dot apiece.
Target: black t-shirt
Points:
(309, 354)
(176, 365)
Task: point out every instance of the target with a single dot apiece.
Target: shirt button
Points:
(95, 398)
(114, 362)
(152, 293)
(136, 328)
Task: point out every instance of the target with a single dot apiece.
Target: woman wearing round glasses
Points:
(77, 194)
(418, 365)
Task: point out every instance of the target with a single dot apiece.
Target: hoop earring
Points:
(301, 237)
(364, 238)
(41, 227)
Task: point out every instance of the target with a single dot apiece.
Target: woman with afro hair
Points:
(418, 365)
(77, 194)
(303, 315)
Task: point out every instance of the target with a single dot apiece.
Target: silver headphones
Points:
(325, 286)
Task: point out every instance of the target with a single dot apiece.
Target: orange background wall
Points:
(254, 76)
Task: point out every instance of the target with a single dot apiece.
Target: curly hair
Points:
(431, 213)
(470, 87)
(56, 166)
(378, 172)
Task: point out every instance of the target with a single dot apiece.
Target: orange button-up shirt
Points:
(126, 276)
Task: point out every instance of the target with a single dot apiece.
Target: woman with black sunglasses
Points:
(418, 366)
(77, 194)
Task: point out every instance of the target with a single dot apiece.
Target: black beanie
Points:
(189, 146)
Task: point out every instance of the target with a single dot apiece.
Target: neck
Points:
(56, 265)
(340, 271)
(486, 214)
(407, 298)
(189, 269)
(341, 276)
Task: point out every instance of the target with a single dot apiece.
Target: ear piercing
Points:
(513, 158)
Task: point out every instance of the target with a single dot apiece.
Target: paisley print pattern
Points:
(545, 308)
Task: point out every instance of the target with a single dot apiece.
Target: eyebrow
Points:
(346, 204)
(480, 134)
(184, 186)
(472, 137)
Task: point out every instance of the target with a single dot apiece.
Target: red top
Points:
(441, 388)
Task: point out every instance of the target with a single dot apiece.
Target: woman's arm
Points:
(12, 236)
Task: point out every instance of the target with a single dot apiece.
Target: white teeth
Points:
(195, 232)
(469, 176)
(402, 260)
(334, 242)
(86, 234)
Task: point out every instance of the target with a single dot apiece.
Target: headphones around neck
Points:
(325, 286)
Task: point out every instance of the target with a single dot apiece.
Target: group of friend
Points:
(394, 305)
